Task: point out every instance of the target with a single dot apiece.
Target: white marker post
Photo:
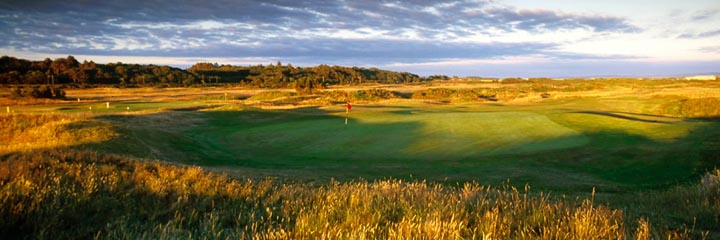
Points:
(107, 105)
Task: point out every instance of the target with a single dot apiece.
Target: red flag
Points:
(349, 106)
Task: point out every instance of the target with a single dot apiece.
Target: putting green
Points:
(413, 135)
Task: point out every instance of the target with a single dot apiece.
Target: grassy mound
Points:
(469, 95)
(27, 132)
(271, 95)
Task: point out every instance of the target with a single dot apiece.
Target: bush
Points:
(374, 94)
(433, 93)
(461, 95)
(271, 95)
(37, 92)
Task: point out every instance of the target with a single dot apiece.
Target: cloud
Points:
(548, 20)
(356, 32)
(706, 34)
(705, 15)
(539, 67)
(710, 49)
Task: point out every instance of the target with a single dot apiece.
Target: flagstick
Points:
(347, 113)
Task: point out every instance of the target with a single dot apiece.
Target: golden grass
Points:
(71, 194)
(26, 132)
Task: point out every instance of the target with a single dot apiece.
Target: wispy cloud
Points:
(710, 49)
(706, 34)
(706, 14)
(356, 32)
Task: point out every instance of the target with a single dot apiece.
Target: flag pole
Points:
(347, 107)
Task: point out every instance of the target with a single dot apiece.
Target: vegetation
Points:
(693, 107)
(70, 71)
(37, 92)
(470, 95)
(70, 194)
(279, 75)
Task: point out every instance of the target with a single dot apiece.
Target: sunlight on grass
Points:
(489, 133)
(64, 194)
(27, 132)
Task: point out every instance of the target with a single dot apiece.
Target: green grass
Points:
(570, 145)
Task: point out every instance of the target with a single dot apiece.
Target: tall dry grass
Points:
(27, 132)
(707, 107)
(84, 194)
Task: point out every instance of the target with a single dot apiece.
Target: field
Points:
(622, 152)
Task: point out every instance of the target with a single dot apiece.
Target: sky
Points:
(488, 38)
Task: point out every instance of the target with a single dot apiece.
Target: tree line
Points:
(279, 75)
(69, 71)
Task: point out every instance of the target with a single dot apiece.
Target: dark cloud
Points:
(402, 30)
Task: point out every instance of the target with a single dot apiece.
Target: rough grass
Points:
(693, 108)
(82, 194)
(26, 132)
(271, 95)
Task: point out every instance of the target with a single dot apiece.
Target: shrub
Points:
(433, 93)
(461, 95)
(37, 92)
(271, 95)
(374, 94)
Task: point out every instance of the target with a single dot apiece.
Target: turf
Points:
(564, 146)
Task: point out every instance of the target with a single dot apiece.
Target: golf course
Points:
(568, 145)
(614, 146)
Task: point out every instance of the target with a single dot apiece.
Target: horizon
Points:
(506, 38)
(187, 67)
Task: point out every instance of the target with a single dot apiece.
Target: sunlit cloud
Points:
(364, 33)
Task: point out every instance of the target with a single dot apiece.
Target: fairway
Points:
(566, 145)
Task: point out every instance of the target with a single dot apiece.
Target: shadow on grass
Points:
(309, 143)
(622, 116)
